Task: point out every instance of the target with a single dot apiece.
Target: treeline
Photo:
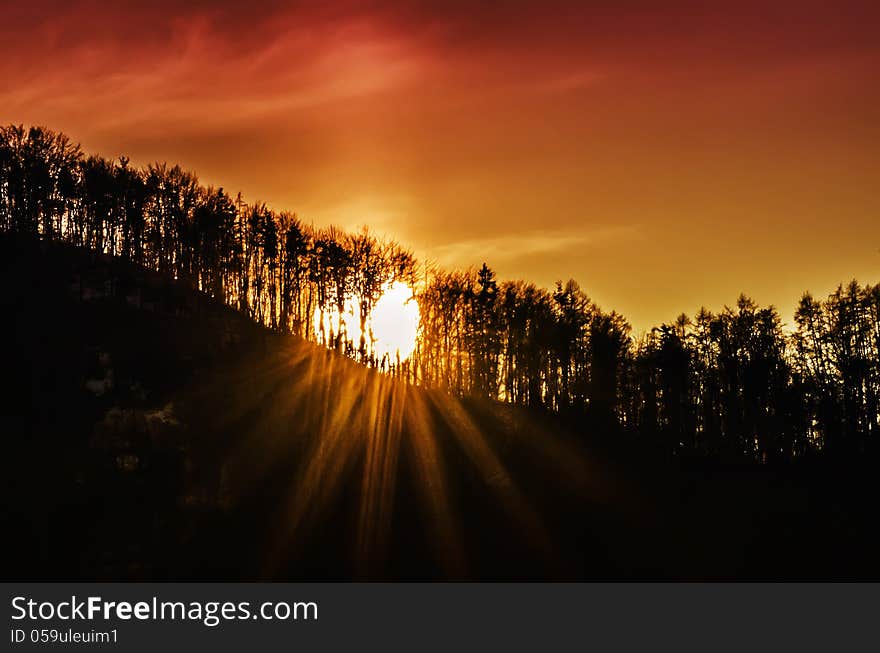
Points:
(270, 266)
(734, 384)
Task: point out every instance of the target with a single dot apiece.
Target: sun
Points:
(395, 322)
(392, 327)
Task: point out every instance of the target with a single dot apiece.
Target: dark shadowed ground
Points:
(151, 433)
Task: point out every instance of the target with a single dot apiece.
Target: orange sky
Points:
(665, 158)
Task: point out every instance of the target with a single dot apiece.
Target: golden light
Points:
(395, 322)
(392, 326)
(343, 422)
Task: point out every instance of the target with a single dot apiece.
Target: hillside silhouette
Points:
(733, 384)
(200, 389)
(155, 433)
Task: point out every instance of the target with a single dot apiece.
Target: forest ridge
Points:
(732, 384)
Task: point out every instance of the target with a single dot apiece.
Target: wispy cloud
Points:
(196, 73)
(510, 246)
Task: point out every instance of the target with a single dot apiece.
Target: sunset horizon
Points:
(423, 291)
(695, 155)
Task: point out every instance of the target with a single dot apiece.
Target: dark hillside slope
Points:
(152, 433)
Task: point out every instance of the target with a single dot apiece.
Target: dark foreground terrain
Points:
(151, 433)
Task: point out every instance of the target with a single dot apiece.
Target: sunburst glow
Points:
(395, 322)
(391, 327)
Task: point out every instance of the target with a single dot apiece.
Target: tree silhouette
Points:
(732, 384)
